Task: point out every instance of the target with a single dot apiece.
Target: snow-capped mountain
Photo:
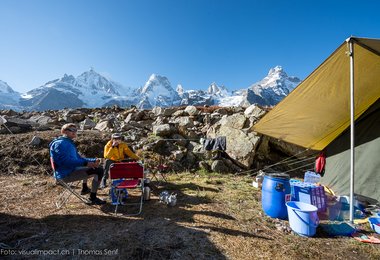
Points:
(91, 89)
(158, 91)
(273, 88)
(212, 96)
(216, 91)
(9, 99)
(5, 88)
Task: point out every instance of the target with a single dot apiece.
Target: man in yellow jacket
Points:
(115, 151)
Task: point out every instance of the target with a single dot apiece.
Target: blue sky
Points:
(192, 42)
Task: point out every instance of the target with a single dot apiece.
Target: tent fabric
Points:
(318, 110)
(367, 163)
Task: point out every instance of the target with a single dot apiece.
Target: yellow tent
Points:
(318, 110)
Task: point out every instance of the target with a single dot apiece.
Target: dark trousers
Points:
(107, 164)
(83, 173)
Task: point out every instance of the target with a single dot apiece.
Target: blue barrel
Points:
(275, 193)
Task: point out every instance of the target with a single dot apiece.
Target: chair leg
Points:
(65, 195)
(62, 198)
(118, 200)
(164, 177)
(154, 176)
(139, 203)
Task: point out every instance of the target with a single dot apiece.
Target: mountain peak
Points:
(156, 77)
(158, 91)
(5, 88)
(180, 89)
(91, 73)
(277, 71)
(216, 90)
(273, 88)
(156, 81)
(95, 81)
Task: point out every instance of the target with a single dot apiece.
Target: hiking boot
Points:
(97, 201)
(85, 191)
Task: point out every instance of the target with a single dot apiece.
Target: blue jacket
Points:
(66, 157)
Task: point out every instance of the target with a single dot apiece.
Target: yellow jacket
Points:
(118, 153)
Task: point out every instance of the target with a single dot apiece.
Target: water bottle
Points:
(146, 193)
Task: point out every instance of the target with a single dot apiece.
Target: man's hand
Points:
(93, 164)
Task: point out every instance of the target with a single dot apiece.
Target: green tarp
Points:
(367, 157)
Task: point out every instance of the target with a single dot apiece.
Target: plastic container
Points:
(312, 177)
(309, 193)
(114, 193)
(303, 218)
(375, 224)
(275, 193)
(344, 206)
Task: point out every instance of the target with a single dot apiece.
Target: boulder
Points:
(178, 113)
(103, 125)
(184, 121)
(205, 166)
(192, 110)
(157, 111)
(163, 130)
(169, 111)
(178, 155)
(36, 141)
(240, 145)
(16, 125)
(163, 147)
(87, 124)
(41, 120)
(236, 121)
(219, 166)
(254, 111)
(179, 140)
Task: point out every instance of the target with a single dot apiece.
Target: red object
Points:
(320, 162)
(131, 176)
(163, 168)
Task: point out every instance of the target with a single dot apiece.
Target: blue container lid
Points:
(279, 175)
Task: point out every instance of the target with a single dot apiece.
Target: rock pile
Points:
(167, 135)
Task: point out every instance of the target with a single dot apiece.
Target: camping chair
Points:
(68, 190)
(161, 170)
(126, 176)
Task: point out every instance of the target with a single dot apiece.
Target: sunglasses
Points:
(73, 130)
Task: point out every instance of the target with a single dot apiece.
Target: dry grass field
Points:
(216, 217)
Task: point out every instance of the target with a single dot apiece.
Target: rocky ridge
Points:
(171, 136)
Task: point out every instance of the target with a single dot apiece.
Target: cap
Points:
(116, 136)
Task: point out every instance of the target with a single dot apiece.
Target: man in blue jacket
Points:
(70, 166)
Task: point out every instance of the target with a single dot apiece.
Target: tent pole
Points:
(352, 140)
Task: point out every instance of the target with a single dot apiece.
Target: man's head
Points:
(69, 130)
(116, 136)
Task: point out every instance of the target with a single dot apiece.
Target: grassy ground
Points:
(216, 217)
